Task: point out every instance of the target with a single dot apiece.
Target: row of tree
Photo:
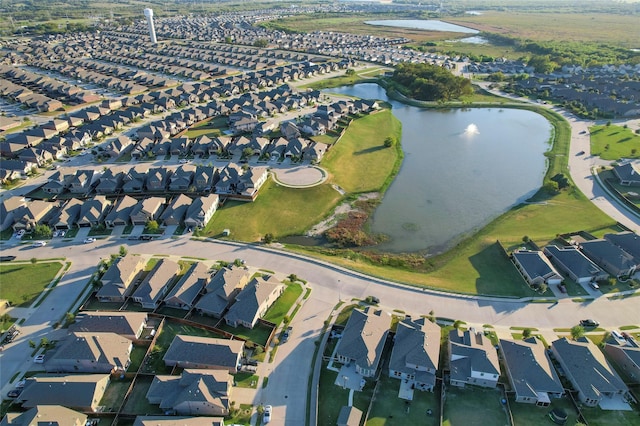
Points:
(428, 82)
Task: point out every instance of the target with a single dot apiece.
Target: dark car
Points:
(14, 393)
(589, 323)
(7, 258)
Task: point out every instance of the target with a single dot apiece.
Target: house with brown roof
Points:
(363, 340)
(176, 210)
(626, 355)
(204, 352)
(147, 209)
(91, 352)
(123, 323)
(185, 292)
(156, 284)
(253, 301)
(222, 290)
(93, 211)
(201, 211)
(120, 214)
(41, 415)
(32, 214)
(67, 215)
(194, 392)
(118, 279)
(178, 421)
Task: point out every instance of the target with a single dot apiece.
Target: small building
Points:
(626, 355)
(204, 352)
(610, 257)
(178, 421)
(575, 264)
(80, 392)
(127, 324)
(535, 268)
(41, 415)
(349, 416)
(472, 360)
(156, 284)
(222, 290)
(118, 279)
(83, 352)
(253, 302)
(184, 293)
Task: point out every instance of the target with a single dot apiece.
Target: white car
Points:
(39, 244)
(39, 359)
(89, 240)
(266, 417)
(20, 234)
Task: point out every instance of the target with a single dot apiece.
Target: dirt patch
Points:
(341, 211)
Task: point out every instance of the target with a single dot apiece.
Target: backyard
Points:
(23, 282)
(473, 406)
(532, 415)
(331, 398)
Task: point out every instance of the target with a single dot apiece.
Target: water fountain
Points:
(471, 129)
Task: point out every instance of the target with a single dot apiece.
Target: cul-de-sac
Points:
(341, 213)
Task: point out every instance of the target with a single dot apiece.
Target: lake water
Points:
(462, 168)
(424, 24)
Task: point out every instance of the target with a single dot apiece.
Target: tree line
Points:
(428, 82)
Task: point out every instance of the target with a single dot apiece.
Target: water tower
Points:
(148, 13)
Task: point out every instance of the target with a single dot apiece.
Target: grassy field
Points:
(473, 406)
(211, 128)
(532, 415)
(258, 334)
(22, 283)
(331, 397)
(114, 394)
(614, 142)
(388, 410)
(277, 210)
(137, 402)
(279, 309)
(360, 162)
(598, 417)
(345, 80)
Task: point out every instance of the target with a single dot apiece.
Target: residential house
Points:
(204, 178)
(182, 178)
(158, 179)
(628, 174)
(416, 349)
(147, 209)
(118, 146)
(16, 169)
(472, 359)
(134, 180)
(363, 340)
(349, 416)
(110, 183)
(67, 215)
(176, 210)
(91, 352)
(120, 214)
(626, 355)
(82, 181)
(118, 279)
(9, 209)
(627, 241)
(93, 211)
(126, 324)
(194, 392)
(610, 257)
(289, 130)
(57, 183)
(204, 352)
(32, 214)
(178, 421)
(189, 287)
(575, 264)
(156, 284)
(586, 367)
(37, 156)
(222, 290)
(81, 392)
(530, 371)
(41, 415)
(535, 268)
(253, 301)
(201, 210)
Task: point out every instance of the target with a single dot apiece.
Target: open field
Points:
(598, 417)
(586, 27)
(360, 162)
(614, 142)
(23, 282)
(278, 210)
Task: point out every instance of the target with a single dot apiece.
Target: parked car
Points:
(589, 323)
(39, 359)
(89, 240)
(7, 258)
(562, 288)
(39, 244)
(595, 286)
(286, 334)
(266, 417)
(20, 234)
(14, 393)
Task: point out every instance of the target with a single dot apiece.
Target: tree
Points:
(261, 42)
(153, 225)
(577, 332)
(293, 277)
(34, 260)
(350, 72)
(457, 324)
(42, 231)
(268, 238)
(525, 239)
(247, 152)
(526, 333)
(389, 142)
(543, 287)
(32, 344)
(123, 251)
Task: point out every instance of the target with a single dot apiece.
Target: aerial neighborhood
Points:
(124, 141)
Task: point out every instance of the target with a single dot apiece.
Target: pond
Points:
(462, 168)
(423, 24)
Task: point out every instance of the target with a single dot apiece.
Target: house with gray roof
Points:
(415, 354)
(628, 174)
(349, 416)
(9, 206)
(363, 340)
(120, 214)
(626, 355)
(535, 268)
(627, 241)
(184, 293)
(90, 352)
(530, 371)
(93, 211)
(253, 301)
(586, 367)
(176, 210)
(610, 257)
(67, 215)
(472, 359)
(201, 210)
(222, 290)
(41, 415)
(118, 279)
(194, 392)
(124, 323)
(574, 263)
(156, 284)
(178, 421)
(81, 392)
(204, 352)
(147, 209)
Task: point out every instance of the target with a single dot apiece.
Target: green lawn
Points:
(114, 394)
(360, 162)
(331, 398)
(344, 314)
(246, 380)
(279, 309)
(598, 417)
(137, 356)
(473, 406)
(258, 334)
(277, 210)
(242, 416)
(532, 415)
(614, 142)
(23, 282)
(388, 410)
(137, 402)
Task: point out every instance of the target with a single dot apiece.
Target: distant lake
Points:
(423, 24)
(461, 169)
